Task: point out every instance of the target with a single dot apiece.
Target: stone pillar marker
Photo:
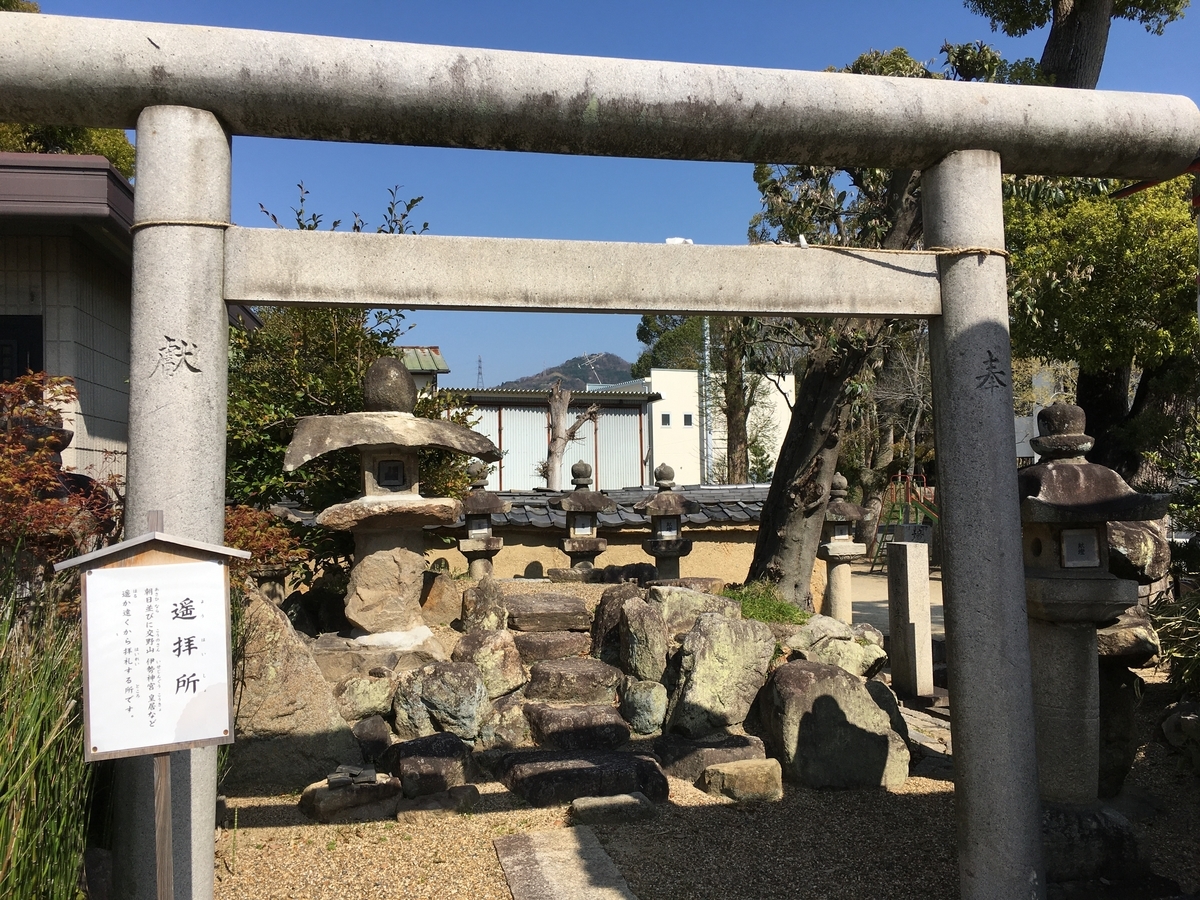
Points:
(996, 799)
(909, 647)
(177, 401)
(838, 548)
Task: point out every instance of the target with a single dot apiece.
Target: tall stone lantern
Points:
(1066, 505)
(582, 507)
(666, 510)
(480, 546)
(838, 547)
(388, 520)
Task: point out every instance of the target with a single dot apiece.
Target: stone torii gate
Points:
(189, 89)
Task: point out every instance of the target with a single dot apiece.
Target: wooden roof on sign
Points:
(147, 540)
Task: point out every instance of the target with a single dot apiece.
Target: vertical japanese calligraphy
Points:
(158, 657)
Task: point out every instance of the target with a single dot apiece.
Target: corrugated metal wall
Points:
(522, 433)
(618, 458)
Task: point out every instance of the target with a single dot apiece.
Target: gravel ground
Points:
(856, 845)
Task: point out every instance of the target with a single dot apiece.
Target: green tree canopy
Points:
(1019, 17)
(1104, 282)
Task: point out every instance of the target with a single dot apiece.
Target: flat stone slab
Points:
(574, 681)
(577, 727)
(546, 777)
(563, 864)
(535, 646)
(397, 511)
(687, 759)
(548, 612)
(614, 810)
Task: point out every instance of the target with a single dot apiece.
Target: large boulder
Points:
(360, 697)
(505, 726)
(290, 730)
(723, 664)
(441, 599)
(574, 681)
(643, 640)
(606, 635)
(1130, 641)
(826, 640)
(643, 705)
(496, 656)
(680, 607)
(548, 612)
(1120, 690)
(385, 591)
(443, 696)
(484, 606)
(827, 730)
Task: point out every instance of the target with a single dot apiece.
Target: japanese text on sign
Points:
(157, 657)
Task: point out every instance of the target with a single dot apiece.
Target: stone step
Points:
(687, 759)
(574, 681)
(536, 646)
(547, 612)
(577, 727)
(546, 777)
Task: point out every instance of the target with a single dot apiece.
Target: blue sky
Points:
(532, 195)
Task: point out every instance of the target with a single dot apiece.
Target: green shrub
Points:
(1178, 626)
(44, 783)
(760, 600)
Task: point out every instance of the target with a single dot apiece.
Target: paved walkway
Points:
(870, 593)
(563, 864)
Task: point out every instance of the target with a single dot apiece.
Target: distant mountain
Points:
(575, 374)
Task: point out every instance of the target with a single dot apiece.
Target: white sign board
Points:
(157, 659)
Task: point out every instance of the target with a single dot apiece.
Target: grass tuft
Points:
(760, 600)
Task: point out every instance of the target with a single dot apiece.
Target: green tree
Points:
(309, 361)
(1074, 50)
(110, 143)
(1110, 284)
(832, 358)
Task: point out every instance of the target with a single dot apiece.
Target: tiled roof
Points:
(719, 505)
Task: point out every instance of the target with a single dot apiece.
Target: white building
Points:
(640, 424)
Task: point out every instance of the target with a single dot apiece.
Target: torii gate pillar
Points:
(996, 787)
(178, 371)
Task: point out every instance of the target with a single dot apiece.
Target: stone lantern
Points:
(838, 547)
(582, 507)
(479, 546)
(388, 520)
(1066, 505)
(666, 510)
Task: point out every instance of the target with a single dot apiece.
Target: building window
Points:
(666, 420)
(687, 420)
(20, 346)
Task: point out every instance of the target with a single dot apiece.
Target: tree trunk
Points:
(794, 512)
(559, 401)
(1074, 51)
(561, 434)
(1104, 398)
(735, 404)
